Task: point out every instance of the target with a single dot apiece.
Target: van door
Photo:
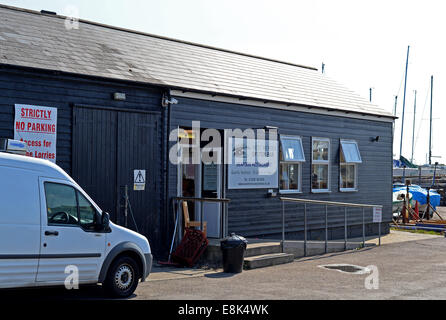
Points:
(67, 236)
(19, 227)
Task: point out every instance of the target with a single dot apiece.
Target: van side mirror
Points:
(105, 222)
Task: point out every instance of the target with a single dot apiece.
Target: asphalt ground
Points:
(412, 268)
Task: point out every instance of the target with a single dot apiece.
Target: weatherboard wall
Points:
(25, 86)
(62, 92)
(252, 213)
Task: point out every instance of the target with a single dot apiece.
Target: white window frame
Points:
(321, 162)
(289, 162)
(355, 164)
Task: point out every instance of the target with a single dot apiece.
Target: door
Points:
(67, 234)
(202, 181)
(137, 150)
(211, 188)
(108, 146)
(94, 155)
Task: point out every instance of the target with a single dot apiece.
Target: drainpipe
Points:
(167, 102)
(167, 121)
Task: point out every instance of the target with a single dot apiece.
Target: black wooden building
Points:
(102, 137)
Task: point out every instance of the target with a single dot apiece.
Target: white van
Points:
(50, 228)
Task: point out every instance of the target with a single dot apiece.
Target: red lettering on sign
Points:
(19, 125)
(37, 114)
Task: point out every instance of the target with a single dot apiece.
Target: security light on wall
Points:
(375, 139)
(166, 101)
(119, 96)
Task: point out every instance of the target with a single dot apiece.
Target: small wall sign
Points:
(377, 214)
(139, 180)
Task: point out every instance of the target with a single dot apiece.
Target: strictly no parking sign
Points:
(37, 127)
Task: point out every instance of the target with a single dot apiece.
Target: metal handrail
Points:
(346, 205)
(201, 199)
(330, 203)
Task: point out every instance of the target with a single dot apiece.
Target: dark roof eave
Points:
(158, 85)
(170, 87)
(289, 104)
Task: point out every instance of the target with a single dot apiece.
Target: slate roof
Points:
(31, 39)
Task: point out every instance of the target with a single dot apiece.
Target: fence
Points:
(376, 210)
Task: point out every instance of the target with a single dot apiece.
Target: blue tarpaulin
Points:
(403, 162)
(419, 194)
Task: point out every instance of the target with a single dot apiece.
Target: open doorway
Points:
(200, 180)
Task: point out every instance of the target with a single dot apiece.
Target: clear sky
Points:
(363, 43)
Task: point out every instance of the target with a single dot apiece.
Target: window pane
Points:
(61, 204)
(348, 176)
(343, 176)
(86, 212)
(350, 152)
(292, 149)
(351, 176)
(293, 170)
(284, 177)
(320, 150)
(320, 177)
(289, 176)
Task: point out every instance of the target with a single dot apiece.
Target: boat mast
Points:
(396, 103)
(414, 117)
(430, 131)
(404, 103)
(394, 113)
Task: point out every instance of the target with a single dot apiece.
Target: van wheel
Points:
(122, 278)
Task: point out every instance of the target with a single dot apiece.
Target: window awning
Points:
(292, 149)
(350, 151)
